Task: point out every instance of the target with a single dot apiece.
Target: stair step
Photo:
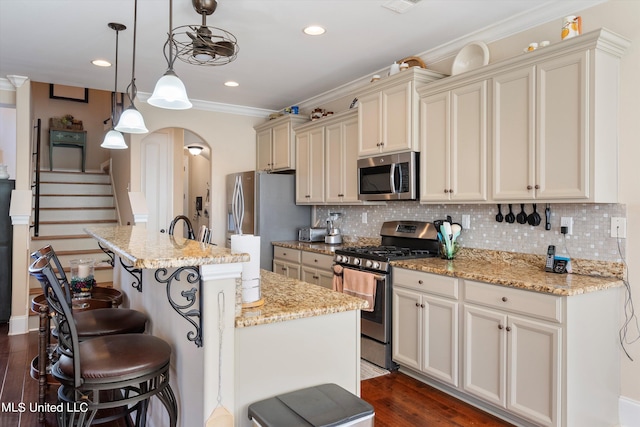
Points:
(77, 213)
(67, 189)
(56, 228)
(76, 201)
(86, 177)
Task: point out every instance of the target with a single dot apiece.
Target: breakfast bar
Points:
(303, 335)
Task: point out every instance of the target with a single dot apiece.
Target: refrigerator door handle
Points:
(238, 205)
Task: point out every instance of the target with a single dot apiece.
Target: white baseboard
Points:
(18, 325)
(629, 412)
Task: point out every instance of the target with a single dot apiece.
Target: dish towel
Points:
(337, 278)
(360, 284)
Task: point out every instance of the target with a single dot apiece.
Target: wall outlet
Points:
(364, 217)
(567, 221)
(618, 227)
(466, 222)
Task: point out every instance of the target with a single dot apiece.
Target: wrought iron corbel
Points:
(136, 273)
(186, 310)
(109, 254)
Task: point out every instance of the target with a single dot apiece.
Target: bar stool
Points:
(119, 373)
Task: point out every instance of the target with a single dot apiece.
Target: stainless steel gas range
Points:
(400, 240)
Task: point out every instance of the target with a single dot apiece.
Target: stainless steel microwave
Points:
(389, 177)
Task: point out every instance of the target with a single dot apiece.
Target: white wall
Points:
(8, 139)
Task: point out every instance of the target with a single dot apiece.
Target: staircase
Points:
(69, 202)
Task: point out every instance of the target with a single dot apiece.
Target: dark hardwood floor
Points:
(402, 401)
(399, 400)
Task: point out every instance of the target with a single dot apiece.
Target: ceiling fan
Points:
(203, 44)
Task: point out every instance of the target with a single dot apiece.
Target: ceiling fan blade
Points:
(223, 48)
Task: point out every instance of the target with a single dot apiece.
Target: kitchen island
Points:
(302, 336)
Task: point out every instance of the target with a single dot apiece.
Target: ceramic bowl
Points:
(470, 57)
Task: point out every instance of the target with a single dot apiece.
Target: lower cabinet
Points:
(425, 324)
(534, 358)
(286, 262)
(317, 269)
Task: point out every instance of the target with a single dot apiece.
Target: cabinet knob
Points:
(316, 277)
(315, 260)
(284, 268)
(446, 191)
(537, 187)
(500, 326)
(307, 196)
(451, 191)
(504, 299)
(420, 282)
(417, 304)
(340, 195)
(529, 187)
(508, 328)
(421, 305)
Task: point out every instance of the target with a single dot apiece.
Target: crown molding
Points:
(5, 84)
(219, 107)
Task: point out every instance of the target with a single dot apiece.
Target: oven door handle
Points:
(376, 276)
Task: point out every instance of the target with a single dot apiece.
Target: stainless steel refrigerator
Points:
(270, 210)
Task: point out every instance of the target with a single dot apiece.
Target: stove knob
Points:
(338, 258)
(376, 264)
(356, 261)
(369, 263)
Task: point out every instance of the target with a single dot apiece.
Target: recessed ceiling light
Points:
(101, 63)
(231, 83)
(314, 30)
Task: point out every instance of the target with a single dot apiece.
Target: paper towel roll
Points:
(249, 244)
(251, 290)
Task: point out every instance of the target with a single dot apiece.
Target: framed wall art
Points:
(68, 93)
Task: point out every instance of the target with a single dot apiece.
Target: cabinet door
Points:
(563, 127)
(514, 135)
(435, 132)
(325, 278)
(397, 118)
(316, 165)
(264, 150)
(303, 171)
(341, 144)
(484, 373)
(369, 124)
(534, 370)
(309, 275)
(407, 328)
(469, 143)
(440, 341)
(282, 147)
(286, 269)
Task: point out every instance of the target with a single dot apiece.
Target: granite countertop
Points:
(289, 299)
(523, 271)
(325, 248)
(149, 249)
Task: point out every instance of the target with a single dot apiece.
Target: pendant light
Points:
(131, 121)
(170, 92)
(114, 139)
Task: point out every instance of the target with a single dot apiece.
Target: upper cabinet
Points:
(326, 158)
(453, 144)
(388, 112)
(275, 147)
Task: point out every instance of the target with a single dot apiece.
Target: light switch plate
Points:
(364, 217)
(618, 227)
(466, 222)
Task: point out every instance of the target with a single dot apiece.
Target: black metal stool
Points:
(119, 373)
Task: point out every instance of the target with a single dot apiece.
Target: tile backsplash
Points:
(590, 239)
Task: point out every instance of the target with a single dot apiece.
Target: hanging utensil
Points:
(547, 215)
(522, 216)
(499, 216)
(220, 417)
(534, 218)
(510, 218)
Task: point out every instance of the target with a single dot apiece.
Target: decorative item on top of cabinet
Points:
(388, 112)
(275, 147)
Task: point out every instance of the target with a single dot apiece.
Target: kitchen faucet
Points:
(189, 226)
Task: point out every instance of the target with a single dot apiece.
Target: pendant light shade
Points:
(131, 121)
(170, 93)
(114, 140)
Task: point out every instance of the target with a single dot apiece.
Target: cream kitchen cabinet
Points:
(275, 147)
(341, 150)
(287, 262)
(310, 169)
(317, 269)
(425, 324)
(555, 124)
(513, 362)
(453, 143)
(388, 112)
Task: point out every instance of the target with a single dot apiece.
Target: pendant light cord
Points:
(132, 85)
(115, 87)
(169, 43)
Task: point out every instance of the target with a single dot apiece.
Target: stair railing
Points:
(36, 184)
